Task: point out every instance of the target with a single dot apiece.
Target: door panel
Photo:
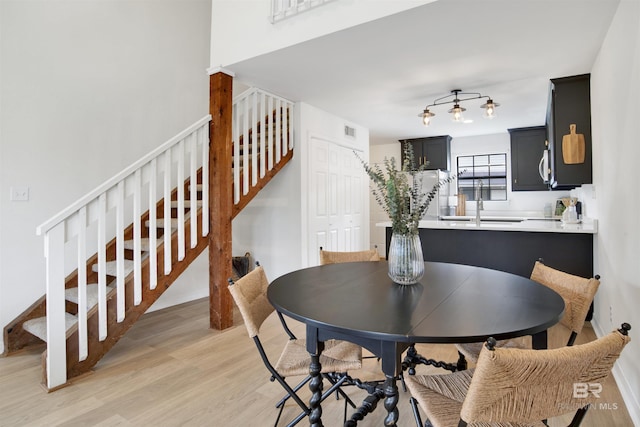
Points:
(336, 199)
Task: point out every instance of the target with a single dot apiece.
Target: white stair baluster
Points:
(137, 239)
(286, 144)
(180, 195)
(204, 139)
(193, 187)
(245, 147)
(102, 267)
(120, 251)
(263, 130)
(270, 133)
(153, 231)
(167, 212)
(278, 124)
(236, 153)
(56, 330)
(83, 349)
(254, 139)
(290, 121)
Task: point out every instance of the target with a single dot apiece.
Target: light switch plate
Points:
(19, 194)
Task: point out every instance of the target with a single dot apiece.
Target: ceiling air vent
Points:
(349, 131)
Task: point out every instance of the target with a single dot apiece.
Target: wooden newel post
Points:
(221, 200)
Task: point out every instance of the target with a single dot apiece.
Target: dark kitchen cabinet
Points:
(569, 104)
(527, 146)
(436, 150)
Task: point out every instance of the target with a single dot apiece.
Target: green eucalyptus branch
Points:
(400, 197)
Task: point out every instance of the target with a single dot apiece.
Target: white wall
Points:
(615, 90)
(230, 44)
(87, 89)
(273, 226)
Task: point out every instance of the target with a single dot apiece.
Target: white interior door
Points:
(336, 199)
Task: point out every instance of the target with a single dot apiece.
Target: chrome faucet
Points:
(479, 202)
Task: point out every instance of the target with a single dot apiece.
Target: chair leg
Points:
(295, 389)
(461, 364)
(579, 416)
(416, 413)
(339, 390)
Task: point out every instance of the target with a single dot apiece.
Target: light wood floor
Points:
(172, 370)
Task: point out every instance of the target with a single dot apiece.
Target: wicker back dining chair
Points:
(331, 257)
(519, 387)
(577, 293)
(338, 357)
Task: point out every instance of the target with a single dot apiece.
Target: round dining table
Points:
(452, 303)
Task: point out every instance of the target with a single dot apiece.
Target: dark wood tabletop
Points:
(452, 303)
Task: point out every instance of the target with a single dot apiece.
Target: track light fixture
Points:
(457, 110)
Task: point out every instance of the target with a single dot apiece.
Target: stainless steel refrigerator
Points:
(439, 206)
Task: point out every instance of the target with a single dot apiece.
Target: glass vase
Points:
(406, 264)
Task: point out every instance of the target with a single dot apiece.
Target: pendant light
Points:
(456, 97)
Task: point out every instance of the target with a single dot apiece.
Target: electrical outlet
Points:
(19, 194)
(611, 315)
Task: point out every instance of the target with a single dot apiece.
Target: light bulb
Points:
(456, 111)
(426, 117)
(489, 109)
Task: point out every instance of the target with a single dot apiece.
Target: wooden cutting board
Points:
(461, 208)
(573, 147)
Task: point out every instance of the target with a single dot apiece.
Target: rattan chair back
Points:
(250, 294)
(329, 257)
(577, 293)
(522, 386)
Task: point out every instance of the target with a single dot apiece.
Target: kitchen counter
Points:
(508, 243)
(503, 223)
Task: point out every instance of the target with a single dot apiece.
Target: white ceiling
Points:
(383, 73)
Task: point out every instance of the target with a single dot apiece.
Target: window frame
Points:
(487, 177)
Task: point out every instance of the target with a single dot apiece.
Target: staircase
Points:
(114, 252)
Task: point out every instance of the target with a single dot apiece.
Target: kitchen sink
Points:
(483, 223)
(501, 221)
(488, 218)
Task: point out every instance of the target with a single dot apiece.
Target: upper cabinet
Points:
(527, 148)
(569, 132)
(434, 151)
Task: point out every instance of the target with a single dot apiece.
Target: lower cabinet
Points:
(511, 251)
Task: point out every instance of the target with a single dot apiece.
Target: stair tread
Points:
(38, 326)
(144, 244)
(111, 267)
(71, 294)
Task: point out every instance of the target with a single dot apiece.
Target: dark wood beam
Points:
(220, 200)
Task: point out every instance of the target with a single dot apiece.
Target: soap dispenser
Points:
(570, 215)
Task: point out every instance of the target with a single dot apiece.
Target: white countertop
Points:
(501, 223)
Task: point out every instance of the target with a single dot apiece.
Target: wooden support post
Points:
(221, 200)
